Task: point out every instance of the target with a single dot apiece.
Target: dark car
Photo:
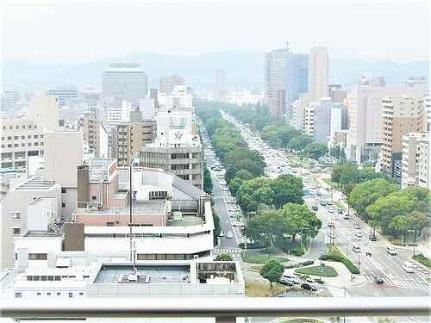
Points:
(309, 287)
(373, 237)
(286, 281)
(314, 207)
(340, 211)
(378, 280)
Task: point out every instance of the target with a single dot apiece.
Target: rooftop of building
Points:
(119, 274)
(41, 234)
(36, 183)
(151, 207)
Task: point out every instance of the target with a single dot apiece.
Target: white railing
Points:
(223, 309)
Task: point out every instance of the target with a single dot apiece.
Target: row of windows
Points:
(22, 127)
(21, 137)
(180, 166)
(29, 144)
(70, 294)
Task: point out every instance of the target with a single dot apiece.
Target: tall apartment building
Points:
(9, 100)
(364, 105)
(124, 81)
(43, 110)
(129, 138)
(169, 82)
(177, 148)
(401, 115)
(416, 160)
(63, 154)
(318, 73)
(94, 135)
(427, 103)
(20, 139)
(180, 100)
(285, 78)
(64, 94)
(317, 120)
(220, 86)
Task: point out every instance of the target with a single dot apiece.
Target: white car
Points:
(221, 234)
(358, 234)
(391, 251)
(229, 235)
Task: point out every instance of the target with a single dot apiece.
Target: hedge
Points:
(336, 255)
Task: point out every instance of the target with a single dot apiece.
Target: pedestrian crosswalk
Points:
(402, 283)
(227, 250)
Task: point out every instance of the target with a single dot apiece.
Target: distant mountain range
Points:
(243, 69)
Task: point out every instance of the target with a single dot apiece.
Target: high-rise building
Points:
(94, 135)
(416, 160)
(364, 105)
(286, 77)
(401, 115)
(64, 94)
(318, 73)
(168, 83)
(336, 93)
(317, 120)
(21, 138)
(220, 86)
(9, 99)
(427, 103)
(124, 81)
(129, 138)
(43, 110)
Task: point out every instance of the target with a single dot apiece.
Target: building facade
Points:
(318, 73)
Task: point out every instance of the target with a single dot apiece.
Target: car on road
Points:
(372, 237)
(286, 281)
(331, 224)
(392, 251)
(358, 234)
(378, 280)
(229, 235)
(221, 234)
(332, 236)
(309, 287)
(340, 211)
(346, 216)
(408, 267)
(329, 202)
(356, 226)
(322, 203)
(330, 210)
(356, 249)
(315, 207)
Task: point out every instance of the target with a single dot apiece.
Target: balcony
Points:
(222, 309)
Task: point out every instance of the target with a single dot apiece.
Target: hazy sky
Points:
(65, 30)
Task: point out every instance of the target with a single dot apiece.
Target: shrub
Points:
(336, 255)
(252, 245)
(307, 263)
(323, 271)
(223, 257)
(423, 260)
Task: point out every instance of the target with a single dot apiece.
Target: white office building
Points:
(318, 73)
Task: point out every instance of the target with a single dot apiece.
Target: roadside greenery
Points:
(423, 260)
(334, 254)
(253, 257)
(208, 182)
(322, 271)
(224, 257)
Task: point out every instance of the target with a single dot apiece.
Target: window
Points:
(70, 294)
(18, 295)
(16, 215)
(37, 256)
(48, 294)
(63, 190)
(16, 231)
(38, 294)
(94, 197)
(58, 294)
(110, 224)
(63, 204)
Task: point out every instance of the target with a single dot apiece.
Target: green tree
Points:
(272, 270)
(366, 193)
(266, 226)
(299, 143)
(315, 150)
(287, 189)
(208, 182)
(254, 192)
(300, 220)
(224, 257)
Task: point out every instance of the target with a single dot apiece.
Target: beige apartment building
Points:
(129, 138)
(94, 135)
(416, 160)
(401, 115)
(20, 139)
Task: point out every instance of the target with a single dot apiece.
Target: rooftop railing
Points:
(223, 309)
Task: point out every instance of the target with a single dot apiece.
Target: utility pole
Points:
(130, 200)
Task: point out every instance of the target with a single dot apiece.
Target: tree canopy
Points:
(272, 270)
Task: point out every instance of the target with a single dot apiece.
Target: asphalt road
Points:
(397, 282)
